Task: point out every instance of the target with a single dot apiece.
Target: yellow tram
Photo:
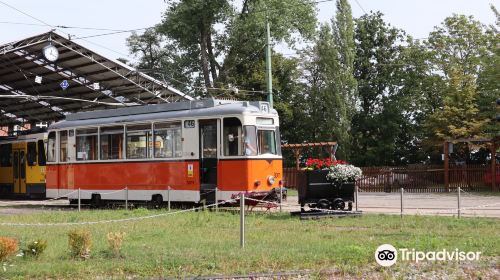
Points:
(22, 165)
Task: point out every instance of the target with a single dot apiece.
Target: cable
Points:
(111, 33)
(73, 27)
(357, 2)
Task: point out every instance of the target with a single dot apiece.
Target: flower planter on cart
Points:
(318, 192)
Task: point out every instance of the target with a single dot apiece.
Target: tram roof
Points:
(24, 100)
(185, 109)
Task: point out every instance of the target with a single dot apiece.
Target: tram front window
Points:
(250, 140)
(267, 142)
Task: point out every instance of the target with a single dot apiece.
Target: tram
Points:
(184, 152)
(22, 165)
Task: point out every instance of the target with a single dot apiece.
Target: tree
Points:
(330, 75)
(161, 58)
(457, 47)
(376, 124)
(488, 83)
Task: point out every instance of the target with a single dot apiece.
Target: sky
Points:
(417, 18)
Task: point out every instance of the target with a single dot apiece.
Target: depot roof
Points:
(34, 89)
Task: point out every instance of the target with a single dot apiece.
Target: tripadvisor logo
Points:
(387, 255)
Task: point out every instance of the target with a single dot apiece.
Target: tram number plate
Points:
(189, 124)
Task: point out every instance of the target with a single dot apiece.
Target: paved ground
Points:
(472, 204)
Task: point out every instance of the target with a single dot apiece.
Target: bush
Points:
(79, 242)
(8, 247)
(35, 248)
(115, 241)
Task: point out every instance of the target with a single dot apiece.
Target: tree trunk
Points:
(213, 62)
(204, 57)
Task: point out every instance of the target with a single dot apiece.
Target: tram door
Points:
(208, 159)
(19, 170)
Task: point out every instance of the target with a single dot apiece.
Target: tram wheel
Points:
(95, 200)
(157, 200)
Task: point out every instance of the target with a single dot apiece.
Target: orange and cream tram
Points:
(179, 151)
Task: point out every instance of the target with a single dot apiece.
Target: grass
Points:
(207, 243)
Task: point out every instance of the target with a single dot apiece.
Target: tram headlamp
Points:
(270, 180)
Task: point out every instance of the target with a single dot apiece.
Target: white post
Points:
(458, 193)
(281, 196)
(216, 201)
(79, 202)
(242, 220)
(126, 197)
(402, 191)
(168, 197)
(356, 197)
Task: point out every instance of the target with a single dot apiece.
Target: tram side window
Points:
(167, 140)
(86, 144)
(232, 134)
(139, 143)
(63, 146)
(267, 142)
(31, 155)
(111, 142)
(6, 155)
(41, 153)
(51, 147)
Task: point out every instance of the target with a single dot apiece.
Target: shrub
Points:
(35, 248)
(79, 242)
(8, 247)
(115, 241)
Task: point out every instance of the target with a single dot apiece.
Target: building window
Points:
(167, 140)
(63, 146)
(111, 139)
(6, 155)
(51, 147)
(139, 144)
(86, 144)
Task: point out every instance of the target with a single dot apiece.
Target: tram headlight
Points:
(270, 180)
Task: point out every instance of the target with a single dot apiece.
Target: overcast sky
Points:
(417, 18)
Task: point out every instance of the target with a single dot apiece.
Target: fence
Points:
(421, 178)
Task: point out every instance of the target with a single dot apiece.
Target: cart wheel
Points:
(323, 204)
(338, 204)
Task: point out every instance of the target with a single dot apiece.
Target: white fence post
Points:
(281, 196)
(168, 197)
(126, 197)
(356, 197)
(402, 191)
(79, 200)
(242, 220)
(458, 201)
(216, 201)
